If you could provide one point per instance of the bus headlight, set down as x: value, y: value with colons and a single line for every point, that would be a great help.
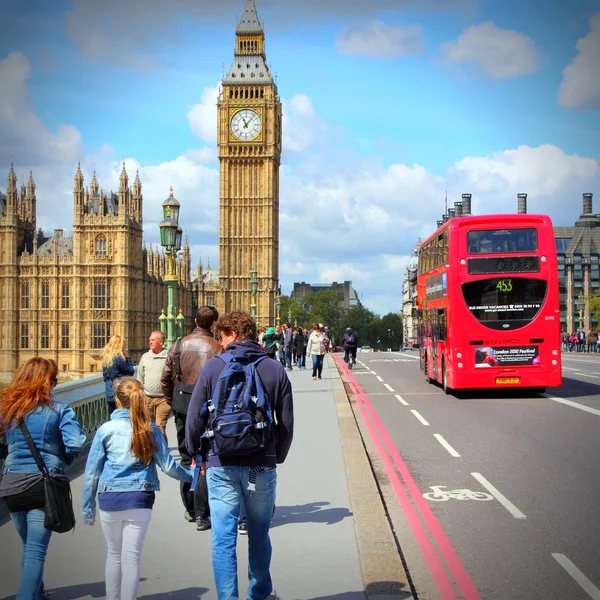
x: 460, y: 365
x: 554, y: 362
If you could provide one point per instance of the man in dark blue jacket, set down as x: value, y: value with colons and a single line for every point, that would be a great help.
x: 252, y: 478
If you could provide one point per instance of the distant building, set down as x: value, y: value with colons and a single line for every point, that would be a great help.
x: 346, y: 294
x: 578, y: 268
x: 409, y: 297
x: 63, y: 295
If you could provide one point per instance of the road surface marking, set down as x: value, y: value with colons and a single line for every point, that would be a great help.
x: 416, y: 413
x: 588, y: 375
x: 440, y: 495
x: 587, y: 586
x: 446, y: 445
x: 378, y: 377
x: 402, y: 399
x: 372, y: 372
x: 571, y: 369
x: 388, y: 386
x: 583, y: 407
x: 508, y: 505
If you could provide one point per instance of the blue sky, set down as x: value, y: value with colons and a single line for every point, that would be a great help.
x: 387, y: 103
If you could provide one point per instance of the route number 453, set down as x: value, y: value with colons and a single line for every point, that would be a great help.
x: 505, y: 285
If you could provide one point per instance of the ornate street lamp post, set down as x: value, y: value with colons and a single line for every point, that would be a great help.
x: 278, y: 309
x: 253, y: 290
x: 290, y: 314
x: 170, y: 240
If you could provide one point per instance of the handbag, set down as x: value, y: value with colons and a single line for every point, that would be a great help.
x: 58, y: 507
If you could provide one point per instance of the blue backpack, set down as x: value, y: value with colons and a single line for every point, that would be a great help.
x: 239, y: 412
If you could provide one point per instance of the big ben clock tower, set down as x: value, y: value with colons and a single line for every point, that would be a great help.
x: 249, y: 141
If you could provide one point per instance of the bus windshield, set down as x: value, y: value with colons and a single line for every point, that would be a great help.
x: 500, y: 241
x: 505, y: 303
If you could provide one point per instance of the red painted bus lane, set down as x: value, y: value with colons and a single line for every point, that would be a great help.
x: 391, y: 458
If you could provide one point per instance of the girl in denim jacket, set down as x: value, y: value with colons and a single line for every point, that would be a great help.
x: 121, y: 467
x: 59, y: 438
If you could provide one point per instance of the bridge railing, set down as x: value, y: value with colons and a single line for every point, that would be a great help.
x: 87, y: 398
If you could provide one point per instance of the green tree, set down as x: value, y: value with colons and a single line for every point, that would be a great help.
x: 323, y: 306
x: 390, y: 331
x: 594, y: 304
x: 297, y: 311
x: 363, y: 323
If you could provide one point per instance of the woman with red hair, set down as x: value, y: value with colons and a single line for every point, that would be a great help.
x: 59, y: 438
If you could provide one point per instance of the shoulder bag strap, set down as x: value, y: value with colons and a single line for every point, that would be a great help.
x: 39, y: 461
x: 176, y: 355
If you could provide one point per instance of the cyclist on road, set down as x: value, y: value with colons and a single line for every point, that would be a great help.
x: 350, y: 345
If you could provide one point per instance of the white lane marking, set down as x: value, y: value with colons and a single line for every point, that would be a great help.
x: 378, y: 377
x: 587, y: 586
x: 588, y: 375
x: 508, y: 505
x: 416, y: 413
x: 372, y: 372
x: 402, y: 399
x: 583, y: 407
x: 446, y: 445
x: 388, y: 386
x: 571, y: 369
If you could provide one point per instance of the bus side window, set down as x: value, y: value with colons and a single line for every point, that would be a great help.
x: 445, y: 248
x: 441, y: 321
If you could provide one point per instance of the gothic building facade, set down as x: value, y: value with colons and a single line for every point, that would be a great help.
x: 63, y: 295
x: 249, y: 146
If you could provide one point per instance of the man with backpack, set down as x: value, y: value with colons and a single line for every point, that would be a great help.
x: 241, y: 424
x: 185, y: 361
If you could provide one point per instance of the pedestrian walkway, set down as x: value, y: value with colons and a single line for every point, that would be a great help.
x: 331, y: 539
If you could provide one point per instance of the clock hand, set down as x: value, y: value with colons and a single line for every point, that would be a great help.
x: 245, y: 123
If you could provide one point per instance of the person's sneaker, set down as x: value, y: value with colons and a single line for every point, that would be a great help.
x: 189, y: 517
x: 243, y: 528
x: 202, y: 524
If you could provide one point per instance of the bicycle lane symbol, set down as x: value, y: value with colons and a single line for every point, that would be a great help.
x: 441, y: 495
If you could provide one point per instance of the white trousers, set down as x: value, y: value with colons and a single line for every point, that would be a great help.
x: 124, y: 531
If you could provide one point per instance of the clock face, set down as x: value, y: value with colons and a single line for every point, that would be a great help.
x: 245, y: 124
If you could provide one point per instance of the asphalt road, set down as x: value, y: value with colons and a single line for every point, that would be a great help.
x: 512, y: 483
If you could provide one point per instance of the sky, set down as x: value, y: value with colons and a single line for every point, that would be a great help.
x: 389, y: 105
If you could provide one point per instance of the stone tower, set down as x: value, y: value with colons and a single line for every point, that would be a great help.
x: 249, y: 145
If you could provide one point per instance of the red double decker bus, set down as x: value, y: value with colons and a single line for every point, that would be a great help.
x: 488, y: 303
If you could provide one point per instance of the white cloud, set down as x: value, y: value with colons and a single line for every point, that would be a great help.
x: 24, y: 135
x: 499, y: 53
x: 580, y: 87
x: 378, y: 40
x: 202, y: 117
x: 301, y: 125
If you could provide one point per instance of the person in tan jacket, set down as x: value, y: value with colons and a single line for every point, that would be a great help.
x: 191, y: 352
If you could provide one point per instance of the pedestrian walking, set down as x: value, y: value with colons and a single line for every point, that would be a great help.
x: 251, y: 476
x: 149, y: 373
x: 115, y: 364
x: 121, y: 467
x: 53, y: 428
x: 316, y: 349
x: 300, y: 348
x: 185, y: 361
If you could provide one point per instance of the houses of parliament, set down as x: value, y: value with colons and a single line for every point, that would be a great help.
x: 63, y: 295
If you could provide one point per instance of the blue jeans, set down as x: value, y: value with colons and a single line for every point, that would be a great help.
x: 226, y: 488
x: 35, y: 539
x: 317, y: 364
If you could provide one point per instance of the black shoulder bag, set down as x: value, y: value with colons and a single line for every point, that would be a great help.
x: 58, y: 506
